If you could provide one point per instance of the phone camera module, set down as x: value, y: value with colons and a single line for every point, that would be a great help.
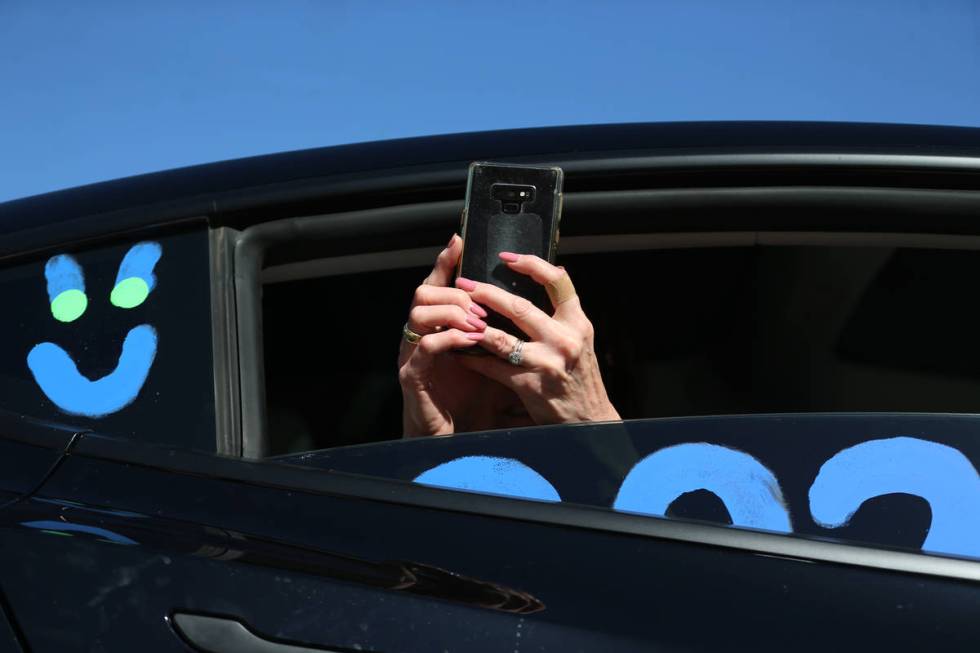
x: 512, y: 196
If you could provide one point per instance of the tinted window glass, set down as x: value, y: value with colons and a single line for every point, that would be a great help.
x: 901, y: 481
x: 115, y: 339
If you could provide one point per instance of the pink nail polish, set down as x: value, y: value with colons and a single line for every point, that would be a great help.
x: 475, y: 336
x: 476, y: 322
x: 466, y: 284
x: 477, y: 310
x: 510, y: 257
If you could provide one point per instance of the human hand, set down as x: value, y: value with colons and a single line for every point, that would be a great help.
x: 558, y: 378
x: 436, y: 389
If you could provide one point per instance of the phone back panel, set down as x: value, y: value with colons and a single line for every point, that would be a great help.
x: 487, y: 229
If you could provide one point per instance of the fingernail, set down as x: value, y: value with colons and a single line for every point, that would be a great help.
x: 465, y: 284
x: 451, y: 240
x: 477, y: 310
x: 476, y: 322
x: 510, y: 257
x: 475, y: 336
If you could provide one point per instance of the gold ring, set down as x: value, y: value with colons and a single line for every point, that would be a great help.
x: 560, y: 291
x: 410, y: 336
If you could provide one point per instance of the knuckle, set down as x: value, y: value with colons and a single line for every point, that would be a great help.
x: 405, y: 375
x: 499, y: 340
x: 421, y: 293
x: 551, y: 273
x: 428, y: 344
x: 569, y: 347
x: 553, y: 372
x: 461, y: 297
x: 415, y: 315
x: 520, y: 306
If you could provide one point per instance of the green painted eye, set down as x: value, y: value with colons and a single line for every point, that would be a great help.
x: 69, y: 305
x: 129, y: 293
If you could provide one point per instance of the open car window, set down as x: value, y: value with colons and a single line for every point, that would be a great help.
x: 710, y: 330
x: 796, y: 332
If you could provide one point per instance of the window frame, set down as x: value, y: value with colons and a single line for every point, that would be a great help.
x: 702, y: 215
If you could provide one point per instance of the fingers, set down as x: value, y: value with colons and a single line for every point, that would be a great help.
x: 533, y: 266
x: 493, y: 368
x: 443, y: 341
x: 436, y: 307
x: 421, y: 356
x: 436, y: 295
x: 528, y: 317
x: 556, y: 281
x: 445, y: 268
x: 501, y: 344
x: 429, y: 319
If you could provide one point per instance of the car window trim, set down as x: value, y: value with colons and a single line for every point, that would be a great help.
x: 224, y: 341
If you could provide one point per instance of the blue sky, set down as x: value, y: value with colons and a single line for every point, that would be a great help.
x: 104, y: 89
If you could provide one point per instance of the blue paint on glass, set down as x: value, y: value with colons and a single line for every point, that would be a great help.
x: 59, y: 378
x: 63, y: 273
x: 490, y: 475
x: 748, y: 489
x: 940, y: 474
x: 67, y: 527
x: 139, y: 263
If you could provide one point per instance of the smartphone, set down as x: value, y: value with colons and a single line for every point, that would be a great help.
x: 510, y: 208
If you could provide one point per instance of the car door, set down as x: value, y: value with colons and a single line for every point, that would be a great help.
x: 171, y: 550
x: 103, y: 335
x: 29, y: 452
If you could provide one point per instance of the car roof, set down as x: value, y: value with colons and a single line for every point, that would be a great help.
x: 237, y: 191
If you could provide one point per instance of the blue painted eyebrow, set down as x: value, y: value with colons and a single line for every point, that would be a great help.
x: 139, y: 262
x: 63, y: 273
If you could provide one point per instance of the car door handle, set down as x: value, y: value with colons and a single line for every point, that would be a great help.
x: 224, y: 635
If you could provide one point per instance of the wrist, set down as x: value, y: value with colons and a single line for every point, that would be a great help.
x: 418, y: 427
x: 606, y: 413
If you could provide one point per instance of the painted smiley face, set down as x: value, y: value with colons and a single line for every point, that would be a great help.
x: 55, y: 370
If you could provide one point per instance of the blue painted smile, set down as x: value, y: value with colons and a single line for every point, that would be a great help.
x: 54, y: 369
x: 58, y: 376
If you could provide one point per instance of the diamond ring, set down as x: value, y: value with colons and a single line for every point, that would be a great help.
x: 515, y: 357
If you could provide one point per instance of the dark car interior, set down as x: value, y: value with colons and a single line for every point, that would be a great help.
x: 679, y: 331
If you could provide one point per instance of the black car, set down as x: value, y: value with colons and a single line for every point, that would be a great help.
x: 201, y: 449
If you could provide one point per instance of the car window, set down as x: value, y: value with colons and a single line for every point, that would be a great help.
x: 710, y: 331
x: 790, y: 331
x: 899, y: 481
x: 115, y: 339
